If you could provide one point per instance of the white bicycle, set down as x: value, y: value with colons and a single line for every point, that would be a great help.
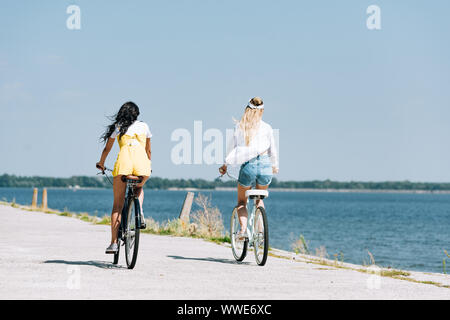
x: 257, y: 228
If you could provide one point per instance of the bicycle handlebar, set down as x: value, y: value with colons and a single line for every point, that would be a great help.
x: 104, y: 169
x: 229, y: 175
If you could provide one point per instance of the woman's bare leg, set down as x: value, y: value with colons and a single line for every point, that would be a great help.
x: 260, y: 203
x: 140, y: 191
x: 242, y: 207
x: 119, y: 188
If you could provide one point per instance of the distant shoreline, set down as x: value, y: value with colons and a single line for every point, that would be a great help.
x: 312, y: 190
x: 333, y: 190
x: 158, y: 183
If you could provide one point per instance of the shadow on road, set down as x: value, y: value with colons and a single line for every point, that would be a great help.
x: 209, y: 259
x: 98, y: 264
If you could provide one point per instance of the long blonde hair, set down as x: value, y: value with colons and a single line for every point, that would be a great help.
x: 251, y: 119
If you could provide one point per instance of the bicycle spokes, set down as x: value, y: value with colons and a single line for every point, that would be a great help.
x: 131, y: 236
x: 261, y: 237
x: 132, y: 233
x: 259, y: 230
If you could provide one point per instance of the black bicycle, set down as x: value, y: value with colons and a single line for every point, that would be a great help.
x: 130, y: 222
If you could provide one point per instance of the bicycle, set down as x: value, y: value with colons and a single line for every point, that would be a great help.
x: 130, y: 222
x: 257, y: 228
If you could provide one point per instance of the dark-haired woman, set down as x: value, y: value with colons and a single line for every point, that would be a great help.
x: 134, y: 158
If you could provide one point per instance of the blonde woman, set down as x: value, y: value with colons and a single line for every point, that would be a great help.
x: 253, y: 147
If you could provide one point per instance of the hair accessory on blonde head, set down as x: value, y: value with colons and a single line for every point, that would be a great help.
x: 252, y: 106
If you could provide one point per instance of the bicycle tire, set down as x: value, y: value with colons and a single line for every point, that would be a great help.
x: 132, y: 234
x: 116, y: 255
x: 261, y: 252
x: 120, y: 233
x: 238, y: 253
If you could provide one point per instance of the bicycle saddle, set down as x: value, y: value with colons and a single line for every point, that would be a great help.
x: 131, y: 177
x: 257, y: 193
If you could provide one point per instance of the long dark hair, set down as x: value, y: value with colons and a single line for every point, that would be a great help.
x: 123, y: 119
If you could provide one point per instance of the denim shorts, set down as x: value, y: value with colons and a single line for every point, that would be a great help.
x: 258, y: 170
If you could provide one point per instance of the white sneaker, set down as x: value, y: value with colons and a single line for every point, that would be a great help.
x: 241, y: 235
x: 112, y: 249
x: 143, y: 224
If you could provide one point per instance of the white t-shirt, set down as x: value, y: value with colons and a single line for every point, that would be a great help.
x: 262, y: 141
x: 137, y: 127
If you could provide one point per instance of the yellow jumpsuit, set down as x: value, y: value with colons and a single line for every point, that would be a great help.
x: 132, y: 157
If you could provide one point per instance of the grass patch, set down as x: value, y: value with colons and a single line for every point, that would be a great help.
x: 65, y: 214
x: 14, y: 204
x: 105, y: 220
x: 394, y: 273
x: 301, y: 246
x: 224, y: 239
x: 86, y: 217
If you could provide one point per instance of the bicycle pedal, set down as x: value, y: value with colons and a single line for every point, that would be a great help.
x: 142, y: 224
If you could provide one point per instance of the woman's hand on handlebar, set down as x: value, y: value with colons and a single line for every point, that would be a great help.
x: 275, y: 170
x: 100, y: 166
x: 223, y: 169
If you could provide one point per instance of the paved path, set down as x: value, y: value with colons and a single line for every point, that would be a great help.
x: 45, y: 256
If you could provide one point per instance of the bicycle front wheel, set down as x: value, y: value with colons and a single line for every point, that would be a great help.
x: 119, y: 234
x: 261, y: 236
x: 132, y: 233
x: 239, y: 247
x: 116, y: 255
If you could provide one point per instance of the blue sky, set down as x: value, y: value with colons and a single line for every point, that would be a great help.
x: 350, y: 103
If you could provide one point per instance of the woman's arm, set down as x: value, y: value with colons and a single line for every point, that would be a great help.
x: 108, y: 146
x: 148, y: 149
x: 273, y: 152
x: 232, y: 144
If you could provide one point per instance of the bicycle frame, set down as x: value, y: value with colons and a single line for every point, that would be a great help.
x: 251, y: 210
x: 129, y: 195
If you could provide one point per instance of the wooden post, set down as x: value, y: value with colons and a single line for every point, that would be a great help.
x: 35, y: 196
x: 187, y: 204
x: 44, y: 199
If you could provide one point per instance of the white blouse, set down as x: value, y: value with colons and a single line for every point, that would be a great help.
x: 261, y: 142
x: 137, y: 127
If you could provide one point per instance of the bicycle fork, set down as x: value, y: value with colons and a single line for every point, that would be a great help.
x: 250, y: 226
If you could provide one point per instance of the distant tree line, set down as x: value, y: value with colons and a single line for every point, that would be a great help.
x: 358, y: 185
x: 162, y: 183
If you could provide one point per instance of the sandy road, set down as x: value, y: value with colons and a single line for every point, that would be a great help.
x: 45, y: 256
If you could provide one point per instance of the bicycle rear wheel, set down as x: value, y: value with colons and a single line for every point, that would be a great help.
x: 261, y: 236
x: 239, y: 247
x: 132, y: 233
